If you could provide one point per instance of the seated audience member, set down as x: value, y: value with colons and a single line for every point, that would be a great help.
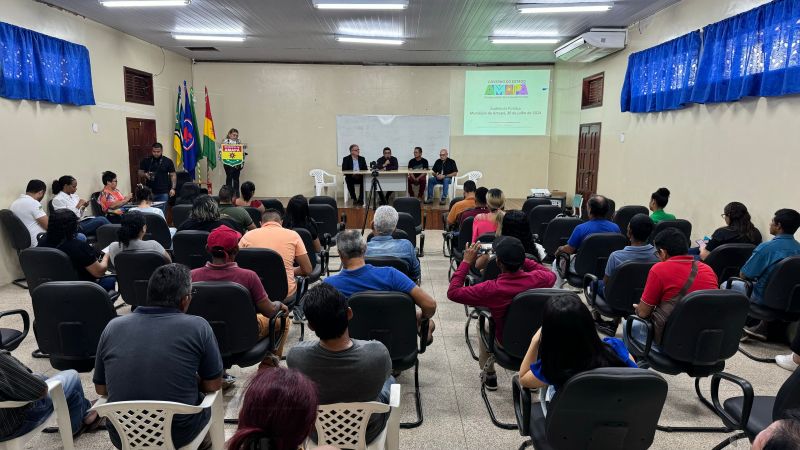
x: 515, y: 224
x: 567, y: 345
x: 444, y: 169
x: 658, y: 201
x: 517, y: 274
x: 344, y: 369
x: 297, y: 216
x: 738, y: 230
x: 248, y: 189
x: 384, y: 223
x: 480, y: 205
x: 782, y: 434
x: 144, y: 204
x: 639, y: 230
x: 764, y: 259
x: 236, y: 213
x: 462, y: 205
x: 287, y: 243
x: 189, y: 192
x: 111, y: 199
x: 62, y: 230
x: 158, y: 352
x: 357, y: 276
x: 28, y: 208
x: 597, y: 223
x: 677, y: 275
x: 490, y: 222
x: 420, y: 179
x: 278, y: 411
x: 18, y: 383
x: 205, y: 216
x: 223, y: 245
x: 387, y: 162
x: 64, y: 197
x: 131, y: 237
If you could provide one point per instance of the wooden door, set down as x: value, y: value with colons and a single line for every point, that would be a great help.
x: 588, y: 160
x: 141, y: 136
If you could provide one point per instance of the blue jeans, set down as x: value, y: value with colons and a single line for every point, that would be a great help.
x: 108, y: 282
x: 161, y: 198
x: 89, y: 226
x: 40, y: 410
x: 432, y: 181
x: 638, y: 334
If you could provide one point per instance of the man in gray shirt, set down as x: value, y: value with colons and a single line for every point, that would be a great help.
x: 160, y: 353
x: 344, y: 369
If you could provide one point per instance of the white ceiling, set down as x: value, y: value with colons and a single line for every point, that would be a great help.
x: 436, y: 31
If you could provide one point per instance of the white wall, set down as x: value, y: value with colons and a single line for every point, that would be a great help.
x: 45, y: 141
x: 707, y: 155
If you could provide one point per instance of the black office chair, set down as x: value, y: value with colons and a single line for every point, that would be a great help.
x: 522, y: 320
x: 447, y: 234
x: 533, y: 202
x: 751, y: 413
x: 106, y: 235
x: 157, y: 230
x: 10, y: 338
x: 413, y: 206
x: 539, y: 217
x: 255, y: 215
x: 189, y: 248
x: 591, y: 258
x: 326, y: 200
x: 134, y: 269
x: 612, y: 208
x: 392, y: 261
x: 94, y: 203
x: 781, y: 298
x: 684, y: 226
x: 69, y: 317
x: 700, y: 334
x: 623, y: 290
x: 624, y: 215
x: 180, y: 214
x: 44, y: 264
x: 406, y: 222
x: 580, y: 415
x: 328, y: 227
x: 727, y: 260
x: 303, y: 283
x: 18, y: 235
x: 464, y: 239
x: 50, y: 208
x: 268, y: 265
x: 391, y: 317
x: 274, y: 203
x: 558, y: 232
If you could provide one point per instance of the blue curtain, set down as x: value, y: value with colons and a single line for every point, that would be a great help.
x: 756, y: 53
x: 661, y: 78
x: 35, y: 66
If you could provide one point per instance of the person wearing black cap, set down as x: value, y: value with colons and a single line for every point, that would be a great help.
x: 517, y: 274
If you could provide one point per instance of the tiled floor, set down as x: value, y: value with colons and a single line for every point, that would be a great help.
x: 455, y: 417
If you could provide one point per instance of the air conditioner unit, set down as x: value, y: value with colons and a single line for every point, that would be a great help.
x: 591, y: 46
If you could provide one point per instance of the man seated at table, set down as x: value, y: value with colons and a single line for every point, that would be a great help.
x: 417, y: 163
x: 355, y: 162
x: 444, y: 169
x: 387, y: 162
x: 237, y: 213
x: 382, y: 243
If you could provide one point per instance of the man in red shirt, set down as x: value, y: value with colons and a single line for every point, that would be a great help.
x: 668, y: 277
x: 517, y: 274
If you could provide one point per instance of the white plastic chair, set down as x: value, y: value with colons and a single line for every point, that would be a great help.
x: 61, y: 411
x: 344, y: 425
x: 320, y: 184
x: 472, y: 176
x: 148, y: 424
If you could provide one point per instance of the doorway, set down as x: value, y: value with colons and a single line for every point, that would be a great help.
x: 141, y: 136
x: 588, y: 160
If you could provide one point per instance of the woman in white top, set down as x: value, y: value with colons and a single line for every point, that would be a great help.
x: 144, y: 204
x: 64, y: 197
x: 130, y: 235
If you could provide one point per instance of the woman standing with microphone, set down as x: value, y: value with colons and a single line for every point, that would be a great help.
x: 233, y: 166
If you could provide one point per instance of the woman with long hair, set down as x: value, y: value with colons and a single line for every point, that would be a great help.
x: 566, y: 345
x: 515, y: 224
x: 131, y: 234
x: 492, y: 221
x: 64, y: 197
x: 658, y: 201
x: 205, y: 216
x: 297, y: 216
x: 738, y: 229
x: 248, y: 190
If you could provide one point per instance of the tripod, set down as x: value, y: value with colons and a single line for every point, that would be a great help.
x: 372, y: 199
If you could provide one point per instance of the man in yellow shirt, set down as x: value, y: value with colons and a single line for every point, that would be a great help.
x: 463, y: 205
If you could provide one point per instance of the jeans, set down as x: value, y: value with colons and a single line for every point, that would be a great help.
x: 383, y: 397
x: 161, y: 198
x: 232, y: 177
x: 108, y: 282
x: 40, y: 410
x: 89, y: 226
x: 445, y: 182
x: 638, y: 334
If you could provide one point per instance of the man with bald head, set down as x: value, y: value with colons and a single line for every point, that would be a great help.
x: 444, y: 169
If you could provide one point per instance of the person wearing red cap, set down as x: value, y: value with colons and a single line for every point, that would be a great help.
x: 223, y: 245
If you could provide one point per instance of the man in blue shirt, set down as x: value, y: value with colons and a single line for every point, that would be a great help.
x: 382, y: 244
x: 598, y: 210
x: 766, y: 256
x: 357, y: 276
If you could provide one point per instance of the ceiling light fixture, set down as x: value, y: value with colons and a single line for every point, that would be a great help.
x: 208, y: 37
x: 143, y: 3
x: 553, y: 8
x: 374, y: 5
x: 370, y: 40
x: 523, y: 40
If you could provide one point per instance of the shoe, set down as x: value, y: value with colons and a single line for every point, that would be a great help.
x: 228, y: 381
x: 298, y: 315
x: 490, y: 381
x: 428, y: 201
x: 786, y: 361
x: 443, y: 201
x: 758, y: 331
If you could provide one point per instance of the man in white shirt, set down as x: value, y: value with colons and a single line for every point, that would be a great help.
x: 65, y: 198
x: 28, y: 208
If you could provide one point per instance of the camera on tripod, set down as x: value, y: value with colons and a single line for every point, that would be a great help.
x: 373, y: 166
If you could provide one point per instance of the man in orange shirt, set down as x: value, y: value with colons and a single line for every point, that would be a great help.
x: 463, y: 205
x: 286, y: 242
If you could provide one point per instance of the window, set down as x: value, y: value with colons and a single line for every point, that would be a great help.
x: 592, y: 96
x: 138, y: 86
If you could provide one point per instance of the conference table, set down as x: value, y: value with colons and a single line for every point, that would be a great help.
x: 391, y: 180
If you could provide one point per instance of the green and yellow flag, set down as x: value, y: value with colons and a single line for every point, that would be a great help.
x: 209, y: 137
x: 176, y: 135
